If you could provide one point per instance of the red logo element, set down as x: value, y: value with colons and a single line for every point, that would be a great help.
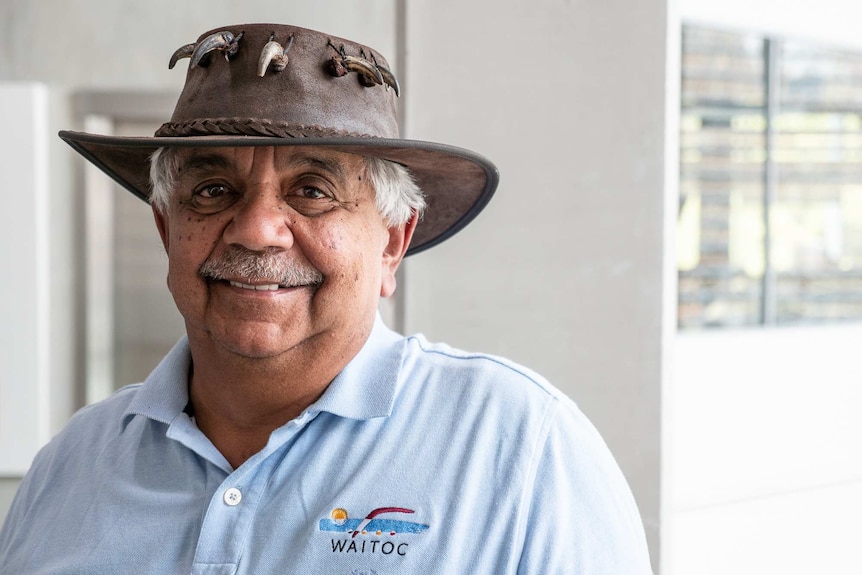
x: 375, y: 513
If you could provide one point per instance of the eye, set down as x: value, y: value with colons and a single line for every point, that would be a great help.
x: 212, y: 191
x: 211, y: 198
x: 312, y: 196
x: 312, y: 193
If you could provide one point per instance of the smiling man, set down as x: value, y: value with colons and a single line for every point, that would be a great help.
x: 290, y: 431
x: 278, y: 257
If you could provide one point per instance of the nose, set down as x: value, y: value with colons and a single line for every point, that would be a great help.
x: 261, y: 222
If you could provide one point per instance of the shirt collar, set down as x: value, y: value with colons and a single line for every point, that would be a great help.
x: 364, y: 389
x: 165, y: 393
x: 367, y: 386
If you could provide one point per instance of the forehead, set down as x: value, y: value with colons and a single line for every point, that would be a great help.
x: 281, y: 158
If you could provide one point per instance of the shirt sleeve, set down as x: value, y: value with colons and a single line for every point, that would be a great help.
x: 12, y: 532
x: 582, y: 518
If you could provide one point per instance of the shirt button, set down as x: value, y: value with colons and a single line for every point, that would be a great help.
x: 232, y: 496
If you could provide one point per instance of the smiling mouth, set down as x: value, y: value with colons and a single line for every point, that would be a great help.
x: 264, y: 287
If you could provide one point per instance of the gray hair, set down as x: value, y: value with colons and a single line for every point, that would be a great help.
x: 397, y: 196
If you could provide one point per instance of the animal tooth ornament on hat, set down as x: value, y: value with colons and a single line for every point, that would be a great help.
x: 273, y: 54
x: 330, y: 92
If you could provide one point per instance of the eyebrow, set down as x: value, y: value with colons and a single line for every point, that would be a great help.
x: 333, y: 167
x: 202, y: 161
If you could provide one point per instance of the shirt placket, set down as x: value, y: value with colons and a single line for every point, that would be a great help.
x: 231, y: 513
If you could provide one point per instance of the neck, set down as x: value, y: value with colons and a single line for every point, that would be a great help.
x: 239, y: 401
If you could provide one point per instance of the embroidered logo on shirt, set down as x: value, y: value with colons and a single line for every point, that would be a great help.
x: 369, y: 529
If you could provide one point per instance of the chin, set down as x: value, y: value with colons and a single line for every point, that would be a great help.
x: 256, y: 345
x: 255, y: 352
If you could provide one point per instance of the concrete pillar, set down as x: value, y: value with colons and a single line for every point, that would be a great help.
x: 568, y: 269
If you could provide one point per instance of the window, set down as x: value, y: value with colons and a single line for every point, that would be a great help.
x: 770, y: 214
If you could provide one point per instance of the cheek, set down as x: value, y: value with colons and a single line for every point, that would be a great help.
x: 333, y: 240
x: 189, y: 229
x: 327, y: 243
x: 189, y: 247
x: 344, y: 254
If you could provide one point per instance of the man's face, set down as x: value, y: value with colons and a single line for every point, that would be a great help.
x: 304, y: 208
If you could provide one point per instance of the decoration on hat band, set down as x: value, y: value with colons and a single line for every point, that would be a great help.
x: 273, y: 55
x: 182, y: 52
x: 369, y: 72
x: 388, y: 76
x: 224, y: 42
x: 341, y: 64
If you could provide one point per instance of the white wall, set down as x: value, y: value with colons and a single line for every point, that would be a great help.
x: 565, y: 271
x: 122, y: 44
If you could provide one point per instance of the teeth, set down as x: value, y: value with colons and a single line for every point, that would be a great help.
x: 266, y: 287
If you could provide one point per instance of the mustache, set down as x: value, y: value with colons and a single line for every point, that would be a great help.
x: 237, y: 262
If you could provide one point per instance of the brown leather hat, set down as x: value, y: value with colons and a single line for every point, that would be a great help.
x: 277, y: 85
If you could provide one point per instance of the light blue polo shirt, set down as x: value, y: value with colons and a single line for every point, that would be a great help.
x: 418, y: 458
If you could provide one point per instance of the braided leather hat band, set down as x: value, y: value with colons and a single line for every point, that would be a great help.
x: 249, y: 127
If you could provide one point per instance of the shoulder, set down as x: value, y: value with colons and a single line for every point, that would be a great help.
x: 96, y: 415
x: 579, y: 508
x: 68, y: 457
x: 87, y: 432
x: 512, y: 396
x: 475, y: 369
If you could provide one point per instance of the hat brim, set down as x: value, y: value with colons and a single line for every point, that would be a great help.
x: 457, y: 183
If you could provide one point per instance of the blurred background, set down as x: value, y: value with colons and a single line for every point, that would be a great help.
x: 676, y: 242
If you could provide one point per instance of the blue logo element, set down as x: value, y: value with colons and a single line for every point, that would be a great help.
x: 339, y: 522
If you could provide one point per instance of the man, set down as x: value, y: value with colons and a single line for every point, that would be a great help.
x: 290, y: 431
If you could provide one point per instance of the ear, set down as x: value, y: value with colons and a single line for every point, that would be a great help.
x: 162, y: 225
x: 399, y: 241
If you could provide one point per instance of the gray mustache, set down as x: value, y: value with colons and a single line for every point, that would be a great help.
x: 269, y: 267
